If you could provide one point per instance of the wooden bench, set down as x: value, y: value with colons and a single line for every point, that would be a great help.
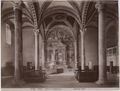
x: 34, y: 76
x: 86, y: 75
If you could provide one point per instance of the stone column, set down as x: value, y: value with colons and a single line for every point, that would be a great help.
x: 18, y: 42
x: 70, y: 57
x: 36, y: 33
x: 76, y: 45
x: 101, y: 45
x: 44, y: 54
x: 111, y: 67
x: 75, y: 50
x: 66, y: 55
x: 53, y: 55
x: 82, y: 57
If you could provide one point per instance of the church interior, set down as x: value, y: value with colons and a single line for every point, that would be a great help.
x: 64, y: 43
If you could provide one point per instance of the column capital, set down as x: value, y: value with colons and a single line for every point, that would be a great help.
x: 100, y: 6
x: 83, y: 30
x: 18, y: 5
x: 36, y: 31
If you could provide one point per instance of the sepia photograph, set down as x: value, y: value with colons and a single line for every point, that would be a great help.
x: 59, y: 44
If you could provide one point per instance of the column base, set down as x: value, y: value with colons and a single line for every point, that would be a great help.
x: 101, y: 82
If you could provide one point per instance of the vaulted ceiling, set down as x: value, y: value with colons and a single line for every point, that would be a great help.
x: 46, y: 14
x: 80, y: 11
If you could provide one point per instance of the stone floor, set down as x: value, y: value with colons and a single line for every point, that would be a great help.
x: 62, y: 80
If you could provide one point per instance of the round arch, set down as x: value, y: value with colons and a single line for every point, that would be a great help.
x: 61, y: 9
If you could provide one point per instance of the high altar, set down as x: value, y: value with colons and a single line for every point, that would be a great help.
x: 60, y: 49
x: 56, y: 55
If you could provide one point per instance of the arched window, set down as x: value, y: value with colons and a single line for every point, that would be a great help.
x: 8, y: 34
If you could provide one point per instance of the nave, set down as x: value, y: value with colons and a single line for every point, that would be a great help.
x: 65, y: 80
